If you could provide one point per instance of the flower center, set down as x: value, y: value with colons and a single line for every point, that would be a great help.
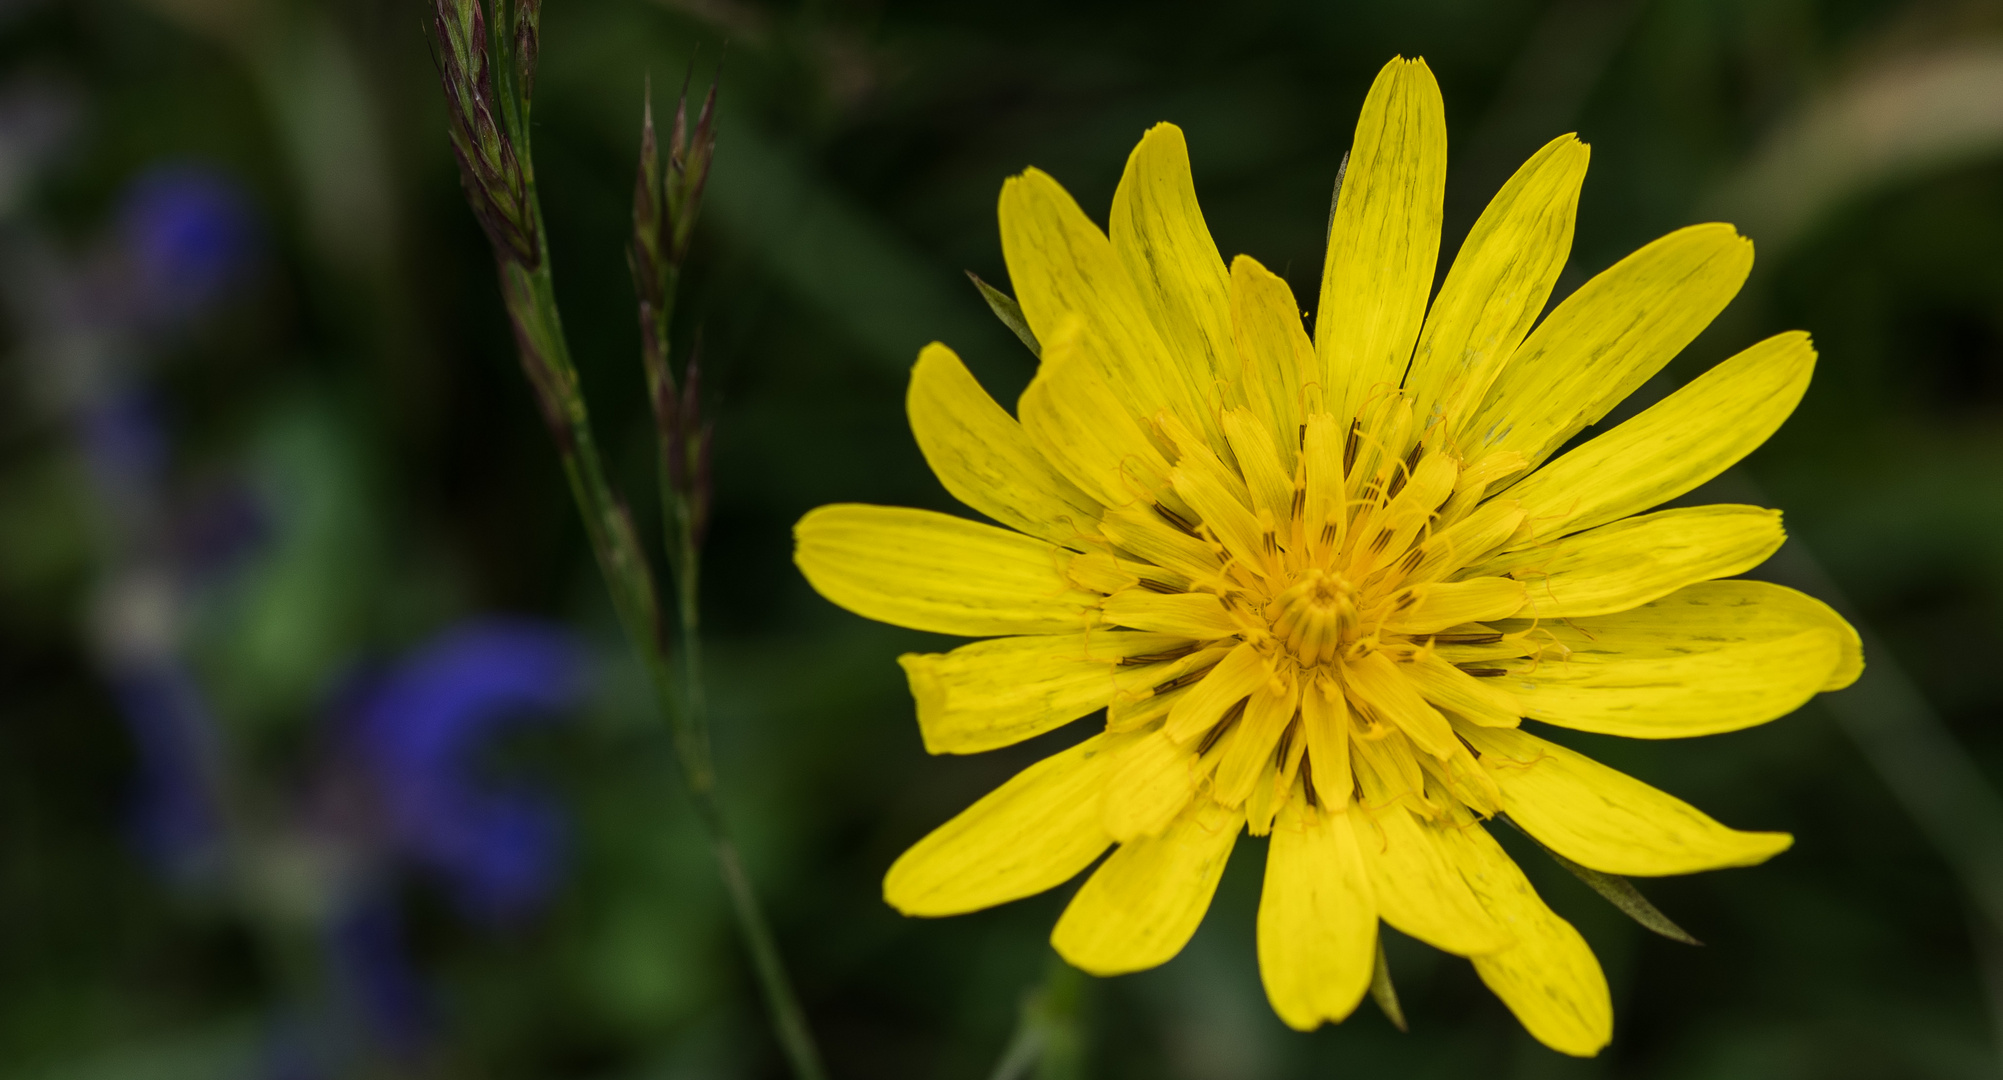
x: 1315, y: 616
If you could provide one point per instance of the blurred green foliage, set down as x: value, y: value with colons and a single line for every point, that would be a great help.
x: 364, y: 385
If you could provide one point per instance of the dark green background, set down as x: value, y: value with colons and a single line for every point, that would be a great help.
x: 366, y: 380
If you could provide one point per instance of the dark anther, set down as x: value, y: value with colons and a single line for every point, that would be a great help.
x: 1349, y: 445
x: 1411, y: 562
x: 1162, y: 657
x: 1182, y: 680
x: 1217, y: 730
x: 1382, y: 539
x: 1465, y: 639
x: 1152, y: 585
x: 1176, y: 520
x: 1484, y: 672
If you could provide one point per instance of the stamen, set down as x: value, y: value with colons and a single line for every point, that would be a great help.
x: 1349, y: 445
x: 1152, y: 585
x: 1483, y: 672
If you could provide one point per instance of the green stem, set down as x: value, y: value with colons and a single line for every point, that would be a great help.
x: 789, y: 1020
x: 628, y: 576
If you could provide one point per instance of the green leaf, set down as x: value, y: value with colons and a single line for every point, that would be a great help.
x: 1618, y: 891
x: 1383, y: 993
x: 1008, y: 311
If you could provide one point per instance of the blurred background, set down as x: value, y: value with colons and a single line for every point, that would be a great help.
x: 320, y: 752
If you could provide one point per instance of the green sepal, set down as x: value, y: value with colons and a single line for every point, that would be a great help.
x: 1383, y: 993
x: 1008, y: 311
x: 1618, y: 891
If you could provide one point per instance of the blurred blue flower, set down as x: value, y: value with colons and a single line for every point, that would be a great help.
x: 187, y: 234
x: 174, y: 816
x: 366, y: 941
x: 419, y: 729
x: 124, y: 439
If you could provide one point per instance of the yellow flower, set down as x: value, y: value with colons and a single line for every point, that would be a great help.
x: 1316, y: 584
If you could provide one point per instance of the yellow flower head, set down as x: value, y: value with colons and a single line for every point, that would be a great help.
x: 1316, y: 583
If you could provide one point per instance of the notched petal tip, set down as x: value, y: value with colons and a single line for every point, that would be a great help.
x: 929, y: 694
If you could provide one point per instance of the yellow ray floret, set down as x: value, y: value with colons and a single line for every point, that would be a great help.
x: 1317, y: 584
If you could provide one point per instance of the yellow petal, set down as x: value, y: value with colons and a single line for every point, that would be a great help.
x: 1498, y: 284
x: 1475, y: 537
x: 1158, y: 233
x: 1605, y: 819
x: 931, y: 571
x: 1689, y: 437
x: 1148, y: 786
x: 1082, y: 427
x: 1269, y: 481
x: 1609, y: 337
x: 983, y: 456
x: 1275, y: 357
x: 1380, y: 689
x: 1230, y: 682
x: 1002, y: 691
x: 1196, y: 615
x: 1317, y: 918
x: 1478, y: 701
x: 1549, y: 978
x: 1418, y: 886
x: 1223, y: 515
x: 1325, y: 721
x: 1065, y: 271
x: 1141, y: 906
x: 1429, y: 609
x: 1384, y: 239
x: 1628, y: 563
x: 1033, y: 833
x: 1695, y: 619
x: 1248, y: 750
x: 1680, y: 696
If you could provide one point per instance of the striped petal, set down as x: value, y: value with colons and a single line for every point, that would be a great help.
x: 1549, y: 977
x: 1317, y: 917
x: 1689, y: 437
x: 1275, y: 359
x: 999, y: 692
x: 1679, y: 696
x: 1066, y: 272
x: 1033, y: 833
x: 1419, y: 888
x: 1696, y: 619
x: 982, y: 455
x: 1628, y: 563
x: 931, y: 571
x: 1384, y: 239
x: 1498, y: 284
x: 1608, y: 338
x: 1606, y: 819
x: 1142, y: 905
x: 1158, y: 233
x: 1080, y: 425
